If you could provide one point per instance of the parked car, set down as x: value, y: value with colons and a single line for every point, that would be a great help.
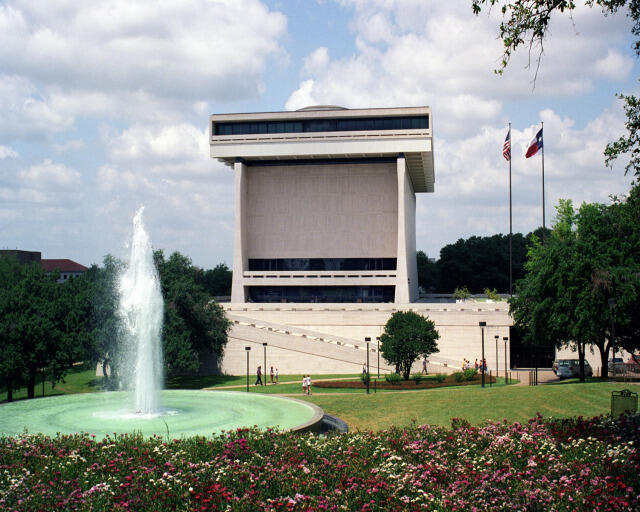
x: 568, y: 368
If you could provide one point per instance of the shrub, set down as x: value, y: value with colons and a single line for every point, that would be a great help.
x: 393, y: 378
x: 417, y: 378
x: 469, y: 374
x: 461, y: 293
x: 458, y: 376
x: 493, y: 295
x: 440, y: 378
x: 365, y: 377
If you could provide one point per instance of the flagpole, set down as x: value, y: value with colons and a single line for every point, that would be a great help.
x: 510, y: 226
x: 544, y: 235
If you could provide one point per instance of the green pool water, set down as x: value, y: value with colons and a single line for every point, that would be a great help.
x: 184, y: 413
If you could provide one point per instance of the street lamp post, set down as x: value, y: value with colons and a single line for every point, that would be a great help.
x: 506, y: 338
x: 496, y: 337
x: 378, y: 339
x: 482, y: 326
x: 264, y: 371
x: 612, y: 306
x: 247, y: 349
x: 368, y: 377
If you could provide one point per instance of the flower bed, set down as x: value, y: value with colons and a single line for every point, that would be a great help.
x: 575, y: 464
x: 402, y: 384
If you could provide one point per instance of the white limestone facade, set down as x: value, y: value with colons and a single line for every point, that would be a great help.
x: 331, y: 338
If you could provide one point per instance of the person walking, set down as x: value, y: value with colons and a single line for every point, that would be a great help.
x: 308, y: 384
x: 276, y: 375
x: 304, y: 384
x: 424, y: 366
x: 271, y: 374
x: 259, y: 376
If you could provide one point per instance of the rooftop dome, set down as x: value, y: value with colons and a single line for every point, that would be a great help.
x: 321, y: 107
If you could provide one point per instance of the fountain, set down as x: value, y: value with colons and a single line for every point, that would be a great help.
x: 144, y: 408
x: 141, y: 310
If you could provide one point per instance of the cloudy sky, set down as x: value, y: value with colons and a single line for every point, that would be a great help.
x: 104, y: 107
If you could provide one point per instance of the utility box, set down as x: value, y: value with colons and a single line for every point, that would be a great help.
x: 623, y: 402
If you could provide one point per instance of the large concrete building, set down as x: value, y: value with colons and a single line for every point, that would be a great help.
x: 325, y: 202
x: 325, y: 213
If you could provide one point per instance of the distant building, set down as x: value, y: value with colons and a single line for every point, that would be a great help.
x: 67, y: 268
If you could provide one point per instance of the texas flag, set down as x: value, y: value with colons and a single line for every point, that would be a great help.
x: 534, y: 145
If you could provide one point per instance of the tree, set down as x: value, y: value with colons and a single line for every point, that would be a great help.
x: 480, y: 262
x: 590, y: 256
x: 406, y: 337
x: 195, y: 326
x: 216, y: 281
x: 427, y: 272
x: 546, y: 302
x: 526, y: 22
x: 40, y: 328
x: 11, y: 361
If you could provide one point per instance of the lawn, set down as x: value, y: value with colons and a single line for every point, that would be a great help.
x: 474, y: 404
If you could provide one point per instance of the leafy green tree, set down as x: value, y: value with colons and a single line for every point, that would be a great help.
x: 589, y: 258
x: 480, y: 262
x: 406, y: 337
x: 195, y: 326
x: 526, y: 23
x: 461, y: 293
x: 37, y: 315
x: 11, y: 360
x: 216, y: 281
x: 546, y: 302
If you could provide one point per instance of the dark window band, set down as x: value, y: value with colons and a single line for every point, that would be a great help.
x: 322, y: 293
x: 316, y: 264
x: 322, y: 125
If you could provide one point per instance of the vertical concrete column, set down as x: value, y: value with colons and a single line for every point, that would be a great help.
x: 240, y: 262
x: 407, y: 267
x: 402, y: 285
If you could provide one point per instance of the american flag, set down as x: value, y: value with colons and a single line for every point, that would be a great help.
x: 506, y: 147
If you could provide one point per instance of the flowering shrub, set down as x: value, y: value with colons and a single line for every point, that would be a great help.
x: 574, y: 464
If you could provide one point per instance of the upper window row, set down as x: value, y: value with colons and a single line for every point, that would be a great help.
x: 323, y: 125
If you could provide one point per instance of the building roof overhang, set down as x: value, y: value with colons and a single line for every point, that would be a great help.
x: 414, y: 144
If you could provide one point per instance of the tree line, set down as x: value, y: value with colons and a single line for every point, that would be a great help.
x: 477, y: 263
x: 47, y: 327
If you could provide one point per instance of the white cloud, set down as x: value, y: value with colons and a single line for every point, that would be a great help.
x: 7, y: 152
x: 129, y: 59
x: 48, y: 175
x: 185, y: 49
x: 166, y: 151
x: 439, y: 54
x: 25, y: 111
x: 614, y: 66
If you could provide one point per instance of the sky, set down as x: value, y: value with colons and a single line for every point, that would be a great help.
x: 104, y: 107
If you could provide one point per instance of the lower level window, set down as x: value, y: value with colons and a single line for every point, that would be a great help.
x: 322, y: 293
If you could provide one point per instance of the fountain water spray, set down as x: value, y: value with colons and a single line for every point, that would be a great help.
x: 141, y: 309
